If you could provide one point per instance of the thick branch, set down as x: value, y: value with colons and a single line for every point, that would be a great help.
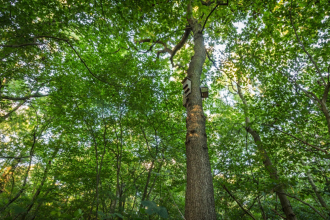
x: 166, y: 49
x: 22, y: 98
x: 209, y: 16
x: 9, y: 113
x: 208, y: 3
x: 246, y: 108
x: 14, y: 157
x: 21, y: 45
x: 181, y: 43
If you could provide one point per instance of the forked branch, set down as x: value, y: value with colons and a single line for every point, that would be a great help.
x: 168, y: 50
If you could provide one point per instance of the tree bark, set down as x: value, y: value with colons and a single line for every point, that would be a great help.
x: 199, y: 193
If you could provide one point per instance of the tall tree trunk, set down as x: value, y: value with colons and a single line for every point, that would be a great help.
x: 199, y: 193
x: 286, y: 206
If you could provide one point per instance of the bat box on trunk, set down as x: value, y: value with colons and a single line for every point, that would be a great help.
x: 204, y: 92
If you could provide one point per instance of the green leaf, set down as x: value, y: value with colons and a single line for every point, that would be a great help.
x: 18, y: 210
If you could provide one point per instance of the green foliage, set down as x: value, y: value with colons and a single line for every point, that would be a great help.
x: 152, y: 207
x: 92, y: 123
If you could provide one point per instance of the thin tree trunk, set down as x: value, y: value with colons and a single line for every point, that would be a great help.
x: 287, y: 208
x: 145, y: 191
x: 316, y: 191
x: 154, y: 182
x: 39, y: 205
x: 119, y: 157
x: 25, y: 178
x: 29, y: 207
x: 262, y: 210
x: 199, y: 194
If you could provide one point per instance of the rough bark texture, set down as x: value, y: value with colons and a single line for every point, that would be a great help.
x: 286, y: 206
x: 199, y: 193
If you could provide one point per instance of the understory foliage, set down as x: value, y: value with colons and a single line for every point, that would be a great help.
x: 91, y: 118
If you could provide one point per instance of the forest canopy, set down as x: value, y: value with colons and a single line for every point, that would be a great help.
x: 104, y: 114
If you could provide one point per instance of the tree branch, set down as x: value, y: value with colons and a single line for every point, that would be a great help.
x: 26, y: 176
x: 303, y: 47
x: 181, y: 43
x: 208, y: 3
x: 68, y: 42
x: 167, y: 50
x: 304, y: 203
x: 278, y: 213
x: 14, y: 157
x: 240, y: 205
x: 9, y: 113
x: 22, y: 98
x: 304, y: 142
x: 21, y: 45
x: 209, y: 16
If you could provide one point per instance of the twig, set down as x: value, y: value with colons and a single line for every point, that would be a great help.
x: 278, y: 213
x: 304, y: 142
x: 239, y: 204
